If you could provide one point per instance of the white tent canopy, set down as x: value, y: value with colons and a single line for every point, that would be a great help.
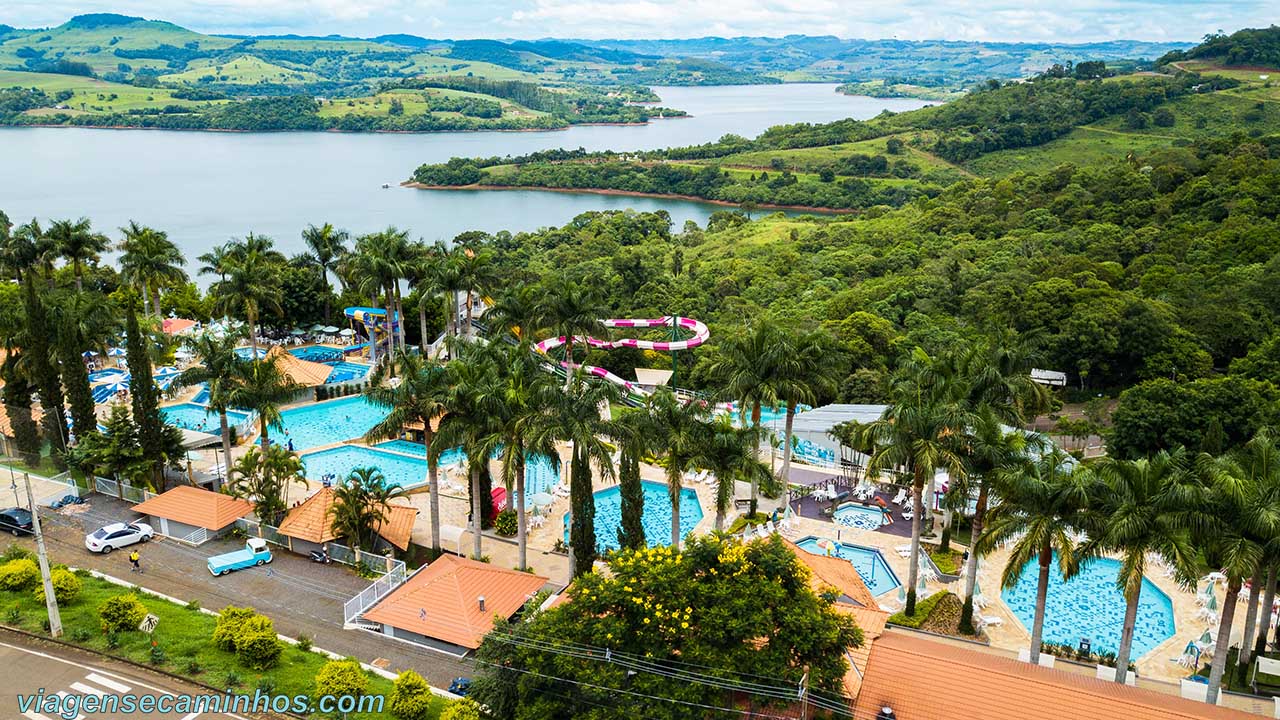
x: 815, y: 425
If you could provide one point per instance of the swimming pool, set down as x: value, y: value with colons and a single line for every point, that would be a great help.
x: 656, y: 520
x: 540, y: 474
x: 329, y: 422
x: 346, y: 372
x: 200, y: 418
x: 107, y: 375
x: 870, y: 564
x: 859, y: 516
x: 1091, y: 606
x: 202, y: 397
x: 317, y: 353
x: 398, y: 470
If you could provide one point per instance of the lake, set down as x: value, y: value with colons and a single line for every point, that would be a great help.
x: 206, y: 187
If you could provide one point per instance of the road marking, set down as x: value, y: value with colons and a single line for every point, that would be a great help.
x: 94, y: 677
x: 41, y: 716
x: 86, y: 689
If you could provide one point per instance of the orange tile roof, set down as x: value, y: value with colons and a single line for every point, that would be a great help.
x: 312, y: 521
x: 835, y: 572
x: 924, y: 679
x: 173, y: 326
x: 303, y: 372
x: 441, y: 600
x: 872, y: 623
x: 196, y: 506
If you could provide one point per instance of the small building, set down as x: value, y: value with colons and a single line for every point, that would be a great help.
x: 309, y: 526
x: 302, y: 372
x: 450, y: 604
x: 181, y: 513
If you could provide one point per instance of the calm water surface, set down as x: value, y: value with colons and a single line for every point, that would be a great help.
x: 204, y: 187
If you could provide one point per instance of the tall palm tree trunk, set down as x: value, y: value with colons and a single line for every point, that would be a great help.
x: 971, y: 568
x: 262, y: 425
x: 253, y: 334
x: 1042, y: 593
x: 226, y: 447
x: 400, y: 317
x: 568, y: 362
x: 913, y: 574
x: 673, y: 491
x: 79, y: 277
x: 1222, y: 642
x: 422, y: 325
x: 1250, y: 617
x: 521, y: 532
x: 1264, y: 612
x: 1126, y: 633
x: 755, y: 480
x: 477, y: 516
x: 372, y: 329
x: 433, y: 472
x: 155, y: 290
x: 470, y: 329
x: 786, y: 447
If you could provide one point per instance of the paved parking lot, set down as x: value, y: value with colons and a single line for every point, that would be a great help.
x: 303, y: 598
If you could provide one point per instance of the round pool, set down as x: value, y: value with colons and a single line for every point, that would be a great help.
x: 859, y: 516
x: 1091, y: 606
x: 656, y: 519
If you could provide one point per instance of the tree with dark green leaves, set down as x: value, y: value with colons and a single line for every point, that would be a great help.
x: 143, y: 394
x: 218, y: 369
x: 116, y: 451
x: 83, y: 320
x: 262, y: 386
x: 78, y: 244
x: 149, y: 260
x: 39, y: 352
x: 636, y: 437
x: 264, y: 478
x: 683, y: 435
x: 361, y: 504
x: 325, y: 246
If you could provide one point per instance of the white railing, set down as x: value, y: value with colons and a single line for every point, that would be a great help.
x: 352, y: 608
x: 131, y: 493
x: 197, y: 537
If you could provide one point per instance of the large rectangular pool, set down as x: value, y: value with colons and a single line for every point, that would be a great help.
x: 200, y: 418
x: 329, y: 422
x: 540, y: 473
x: 406, y: 472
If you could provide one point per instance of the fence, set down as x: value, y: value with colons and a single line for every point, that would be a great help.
x: 199, y: 536
x: 128, y: 492
x: 352, y: 608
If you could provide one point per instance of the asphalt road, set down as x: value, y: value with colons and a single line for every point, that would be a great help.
x: 303, y: 598
x: 31, y: 665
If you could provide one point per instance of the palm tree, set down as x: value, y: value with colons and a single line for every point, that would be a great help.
x: 423, y: 273
x: 636, y: 436
x: 449, y: 280
x: 807, y: 371
x: 216, y: 260
x: 361, y: 505
x: 325, y: 244
x: 78, y: 244
x: 683, y: 431
x: 919, y: 432
x: 419, y: 397
x: 1135, y: 513
x: 263, y: 478
x: 747, y: 370
x: 260, y: 385
x: 578, y: 422
x: 1235, y: 515
x: 729, y: 452
x: 149, y: 260
x: 570, y: 310
x: 81, y: 321
x: 252, y: 283
x: 218, y: 369
x: 1040, y: 503
x: 475, y: 272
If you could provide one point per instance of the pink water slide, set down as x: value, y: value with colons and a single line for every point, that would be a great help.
x: 700, y: 335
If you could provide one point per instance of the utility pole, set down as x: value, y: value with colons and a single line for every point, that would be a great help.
x: 804, y: 695
x: 51, y: 602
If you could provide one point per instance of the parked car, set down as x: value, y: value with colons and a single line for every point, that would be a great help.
x: 460, y: 686
x: 254, y: 552
x: 16, y: 520
x: 117, y: 535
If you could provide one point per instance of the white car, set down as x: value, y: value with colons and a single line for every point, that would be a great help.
x: 117, y: 535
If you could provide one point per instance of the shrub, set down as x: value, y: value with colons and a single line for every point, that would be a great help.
x: 193, y: 605
x: 157, y: 655
x: 266, y: 685
x: 19, y: 574
x: 231, y: 679
x: 16, y: 552
x: 81, y: 635
x: 923, y: 609
x: 230, y: 619
x: 304, y: 643
x: 121, y: 613
x: 505, y: 523
x: 411, y: 698
x: 192, y: 667
x: 256, y: 643
x: 66, y: 586
x: 464, y: 709
x: 341, y: 677
x: 113, y: 640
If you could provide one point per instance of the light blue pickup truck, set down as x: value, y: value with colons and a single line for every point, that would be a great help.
x: 254, y: 552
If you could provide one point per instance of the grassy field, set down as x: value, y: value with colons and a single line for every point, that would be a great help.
x: 414, y: 102
x: 183, y: 636
x: 811, y: 159
x: 94, y: 96
x: 244, y: 70
x: 96, y: 46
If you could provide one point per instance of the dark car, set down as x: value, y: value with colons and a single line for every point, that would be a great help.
x: 460, y: 686
x: 17, y: 521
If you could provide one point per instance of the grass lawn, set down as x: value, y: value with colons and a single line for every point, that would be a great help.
x: 94, y: 96
x: 183, y: 635
x: 244, y: 70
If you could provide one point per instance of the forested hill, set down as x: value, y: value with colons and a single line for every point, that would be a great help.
x: 1245, y: 48
x: 893, y: 159
x: 1159, y: 271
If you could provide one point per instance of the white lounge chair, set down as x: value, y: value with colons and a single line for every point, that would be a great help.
x: 902, y: 495
x: 990, y: 621
x: 908, y: 514
x: 768, y: 525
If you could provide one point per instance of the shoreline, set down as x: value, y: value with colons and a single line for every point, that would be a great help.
x: 632, y: 193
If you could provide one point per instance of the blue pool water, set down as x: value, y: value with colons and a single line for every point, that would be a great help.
x: 346, y: 372
x: 202, y: 397
x: 329, y: 422
x: 656, y: 520
x: 540, y: 474
x: 870, y: 564
x: 1091, y: 606
x: 859, y: 516
x: 317, y: 353
x: 200, y: 418
x: 398, y: 470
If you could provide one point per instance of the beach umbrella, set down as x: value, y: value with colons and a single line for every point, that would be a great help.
x: 330, y: 329
x: 115, y: 352
x: 541, y: 499
x: 1211, y: 604
x: 826, y: 545
x: 167, y: 371
x: 347, y: 332
x: 89, y: 353
x: 297, y: 331
x: 116, y: 387
x: 1207, y: 637
x: 317, y: 327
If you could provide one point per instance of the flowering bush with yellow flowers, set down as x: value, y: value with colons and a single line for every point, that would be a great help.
x: 727, y: 607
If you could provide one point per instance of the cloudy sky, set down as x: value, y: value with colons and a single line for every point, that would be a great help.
x: 1019, y: 20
